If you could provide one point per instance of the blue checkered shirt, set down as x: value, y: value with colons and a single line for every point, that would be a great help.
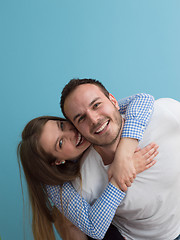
x: 138, y: 110
x: 94, y: 220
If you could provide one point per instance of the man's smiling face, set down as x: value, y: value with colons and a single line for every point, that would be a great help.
x: 93, y: 114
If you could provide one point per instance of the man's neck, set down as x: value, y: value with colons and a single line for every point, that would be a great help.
x: 107, y: 152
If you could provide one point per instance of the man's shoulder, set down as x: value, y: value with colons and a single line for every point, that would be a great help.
x: 168, y: 102
x: 168, y: 106
x: 164, y: 121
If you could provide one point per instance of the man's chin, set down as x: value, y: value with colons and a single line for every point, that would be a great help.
x: 104, y: 141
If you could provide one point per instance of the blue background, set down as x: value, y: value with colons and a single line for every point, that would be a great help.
x: 131, y: 46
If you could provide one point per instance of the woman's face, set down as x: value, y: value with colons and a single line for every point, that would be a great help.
x: 62, y: 140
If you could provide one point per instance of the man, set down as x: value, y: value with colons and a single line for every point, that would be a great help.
x: 95, y: 219
x: 123, y: 171
x: 151, y: 209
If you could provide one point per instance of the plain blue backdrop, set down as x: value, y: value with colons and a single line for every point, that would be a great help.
x: 131, y: 46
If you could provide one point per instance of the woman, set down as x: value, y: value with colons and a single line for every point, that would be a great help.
x: 41, y: 165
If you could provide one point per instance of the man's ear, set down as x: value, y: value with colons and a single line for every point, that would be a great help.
x: 113, y: 100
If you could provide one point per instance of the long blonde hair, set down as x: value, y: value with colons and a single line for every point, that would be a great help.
x: 38, y: 171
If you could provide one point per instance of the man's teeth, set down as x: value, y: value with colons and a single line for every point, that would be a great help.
x: 102, y: 127
x: 78, y: 139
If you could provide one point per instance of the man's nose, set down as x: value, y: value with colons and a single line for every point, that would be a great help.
x: 92, y: 117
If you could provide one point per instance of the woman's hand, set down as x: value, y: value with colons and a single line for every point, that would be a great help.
x: 122, y: 169
x: 141, y: 160
x: 144, y: 158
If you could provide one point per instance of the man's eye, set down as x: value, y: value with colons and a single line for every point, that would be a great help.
x: 96, y: 105
x: 60, y: 143
x: 81, y: 119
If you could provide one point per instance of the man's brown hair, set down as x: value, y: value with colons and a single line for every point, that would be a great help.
x: 73, y: 84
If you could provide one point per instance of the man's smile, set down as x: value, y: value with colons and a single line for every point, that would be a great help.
x: 102, y: 128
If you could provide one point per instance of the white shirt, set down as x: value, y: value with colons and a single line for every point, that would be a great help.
x: 151, y: 208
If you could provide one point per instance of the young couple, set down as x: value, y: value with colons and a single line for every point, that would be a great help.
x: 51, y: 153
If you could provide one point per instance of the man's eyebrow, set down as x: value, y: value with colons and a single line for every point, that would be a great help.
x: 91, y: 103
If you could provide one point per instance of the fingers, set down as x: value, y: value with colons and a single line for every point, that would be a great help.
x: 128, y: 183
x: 148, y: 148
x: 150, y: 164
x: 151, y: 153
x: 134, y: 175
x: 152, y: 156
x: 150, y: 161
x: 123, y: 187
x: 131, y: 180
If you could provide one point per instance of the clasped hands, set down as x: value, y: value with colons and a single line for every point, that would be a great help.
x: 128, y: 162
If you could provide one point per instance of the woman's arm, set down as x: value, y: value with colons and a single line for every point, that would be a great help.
x: 137, y: 111
x: 92, y: 220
